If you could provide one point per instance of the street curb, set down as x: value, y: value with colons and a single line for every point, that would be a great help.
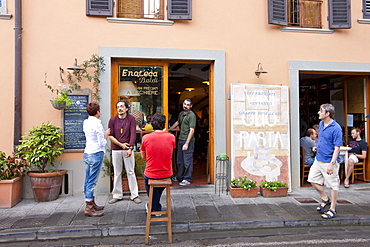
x: 55, y: 233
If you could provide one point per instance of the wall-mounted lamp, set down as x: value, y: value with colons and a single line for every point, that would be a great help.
x: 75, y: 68
x: 127, y: 88
x: 259, y: 70
x: 189, y: 89
x: 206, y: 82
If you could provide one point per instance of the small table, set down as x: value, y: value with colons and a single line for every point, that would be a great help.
x: 344, y: 152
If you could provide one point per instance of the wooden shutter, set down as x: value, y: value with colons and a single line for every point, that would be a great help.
x: 339, y: 14
x: 277, y: 12
x: 366, y: 9
x: 99, y: 7
x: 179, y: 9
x: 310, y: 13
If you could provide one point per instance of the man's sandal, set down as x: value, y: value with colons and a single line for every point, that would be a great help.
x: 323, y: 205
x: 328, y: 215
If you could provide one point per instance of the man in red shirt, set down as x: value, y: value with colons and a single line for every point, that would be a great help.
x: 157, y: 149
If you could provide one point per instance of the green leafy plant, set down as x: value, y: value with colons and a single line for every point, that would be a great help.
x: 243, y: 182
x: 272, y: 185
x: 91, y: 70
x: 107, y: 167
x: 61, y: 91
x: 12, y: 166
x: 41, y: 145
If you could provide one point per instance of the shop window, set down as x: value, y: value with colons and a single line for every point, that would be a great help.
x: 307, y: 13
x: 142, y: 86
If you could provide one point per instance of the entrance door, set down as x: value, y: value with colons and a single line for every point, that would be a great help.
x: 192, y: 80
x: 161, y: 86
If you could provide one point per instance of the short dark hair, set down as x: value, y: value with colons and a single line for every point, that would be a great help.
x: 356, y: 129
x: 329, y: 108
x: 127, y: 105
x: 309, y: 132
x: 188, y: 99
x: 158, y: 121
x: 92, y: 109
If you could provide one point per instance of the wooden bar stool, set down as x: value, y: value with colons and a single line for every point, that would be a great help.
x: 159, y: 183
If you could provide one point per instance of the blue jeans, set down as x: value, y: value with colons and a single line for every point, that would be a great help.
x: 310, y: 161
x: 157, y: 193
x: 93, y: 164
x: 184, y: 161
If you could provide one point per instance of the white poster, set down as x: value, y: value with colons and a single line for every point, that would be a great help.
x: 260, y: 132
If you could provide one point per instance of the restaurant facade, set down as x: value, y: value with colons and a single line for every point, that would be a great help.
x: 257, y: 74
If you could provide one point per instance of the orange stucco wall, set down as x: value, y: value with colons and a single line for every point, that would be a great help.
x: 54, y: 33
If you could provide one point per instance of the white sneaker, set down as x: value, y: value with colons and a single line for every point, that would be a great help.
x: 184, y: 182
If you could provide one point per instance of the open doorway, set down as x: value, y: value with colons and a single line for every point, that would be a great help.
x: 348, y: 95
x: 191, y: 80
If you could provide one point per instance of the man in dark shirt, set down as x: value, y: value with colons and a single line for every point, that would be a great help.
x: 123, y: 136
x: 185, y: 146
x: 358, y: 151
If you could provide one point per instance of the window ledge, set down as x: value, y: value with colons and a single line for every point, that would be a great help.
x: 363, y: 21
x: 305, y: 30
x: 5, y: 16
x: 140, y: 21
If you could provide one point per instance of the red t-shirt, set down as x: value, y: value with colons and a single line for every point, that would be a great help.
x: 158, y: 147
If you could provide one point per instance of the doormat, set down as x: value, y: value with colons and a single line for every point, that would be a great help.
x: 306, y: 200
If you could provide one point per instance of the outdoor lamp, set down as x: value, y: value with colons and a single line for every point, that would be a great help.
x: 75, y: 68
x: 259, y: 70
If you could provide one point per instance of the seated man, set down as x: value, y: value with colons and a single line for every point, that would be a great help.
x: 309, y: 144
x: 358, y: 151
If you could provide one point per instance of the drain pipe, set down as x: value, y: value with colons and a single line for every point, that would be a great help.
x: 18, y: 72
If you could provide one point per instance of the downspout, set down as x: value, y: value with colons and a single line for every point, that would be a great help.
x: 18, y: 72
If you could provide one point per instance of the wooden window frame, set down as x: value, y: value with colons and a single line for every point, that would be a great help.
x: 137, y: 9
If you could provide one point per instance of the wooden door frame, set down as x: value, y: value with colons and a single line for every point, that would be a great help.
x: 116, y: 62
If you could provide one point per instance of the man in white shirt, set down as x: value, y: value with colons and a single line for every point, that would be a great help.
x: 96, y: 139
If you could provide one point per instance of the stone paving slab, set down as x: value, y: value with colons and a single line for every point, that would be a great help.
x: 194, y: 209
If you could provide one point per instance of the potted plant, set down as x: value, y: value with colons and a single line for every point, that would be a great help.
x: 243, y: 187
x: 273, y: 188
x: 62, y: 100
x: 139, y: 171
x: 39, y: 147
x: 12, y: 170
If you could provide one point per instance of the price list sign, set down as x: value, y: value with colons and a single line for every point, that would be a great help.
x: 74, y: 116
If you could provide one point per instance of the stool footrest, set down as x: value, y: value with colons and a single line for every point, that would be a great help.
x: 159, y: 219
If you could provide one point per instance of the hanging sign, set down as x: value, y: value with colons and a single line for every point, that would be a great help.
x: 260, y: 132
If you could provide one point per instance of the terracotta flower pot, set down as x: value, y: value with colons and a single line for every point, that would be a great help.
x: 280, y: 192
x: 46, y: 186
x: 10, y: 192
x: 240, y: 192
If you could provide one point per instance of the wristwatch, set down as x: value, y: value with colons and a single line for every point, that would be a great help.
x: 333, y: 162
x: 132, y: 148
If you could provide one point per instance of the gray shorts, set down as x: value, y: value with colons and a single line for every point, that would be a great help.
x: 318, y: 175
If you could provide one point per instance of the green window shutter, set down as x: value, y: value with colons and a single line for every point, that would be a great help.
x: 277, y: 12
x: 339, y: 14
x: 99, y: 7
x: 366, y: 9
x: 179, y: 9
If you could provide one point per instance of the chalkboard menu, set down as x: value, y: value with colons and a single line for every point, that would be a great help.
x: 73, y: 118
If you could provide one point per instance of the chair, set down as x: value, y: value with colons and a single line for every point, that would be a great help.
x: 159, y: 183
x: 305, y: 169
x: 358, y: 169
